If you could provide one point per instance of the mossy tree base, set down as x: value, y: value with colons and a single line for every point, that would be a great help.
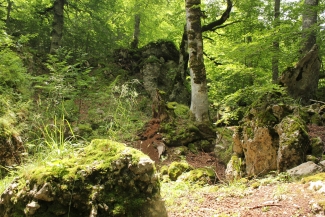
x: 181, y: 130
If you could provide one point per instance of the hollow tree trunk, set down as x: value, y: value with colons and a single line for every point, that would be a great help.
x: 302, y: 80
x: 57, y: 25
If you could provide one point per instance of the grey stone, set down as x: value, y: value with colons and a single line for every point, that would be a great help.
x: 303, y: 169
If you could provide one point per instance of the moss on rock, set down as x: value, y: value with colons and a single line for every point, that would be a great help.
x: 201, y: 176
x: 314, y: 178
x: 317, y: 147
x: 177, y: 168
x: 105, y: 177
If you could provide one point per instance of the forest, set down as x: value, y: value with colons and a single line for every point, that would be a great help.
x: 160, y: 108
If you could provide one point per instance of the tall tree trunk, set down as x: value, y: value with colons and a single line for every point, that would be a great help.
x: 57, y: 25
x: 199, y: 100
x: 276, y: 47
x: 136, y: 33
x: 309, y: 19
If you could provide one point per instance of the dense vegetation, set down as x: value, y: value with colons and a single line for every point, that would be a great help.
x: 52, y: 99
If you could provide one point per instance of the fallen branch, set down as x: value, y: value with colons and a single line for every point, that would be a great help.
x: 317, y: 101
x: 261, y: 206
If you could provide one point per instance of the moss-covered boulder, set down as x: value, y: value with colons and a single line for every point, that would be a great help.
x: 234, y: 169
x: 272, y: 136
x: 293, y: 142
x: 201, y: 176
x: 106, y: 178
x: 225, y: 144
x: 178, y: 168
x: 317, y: 147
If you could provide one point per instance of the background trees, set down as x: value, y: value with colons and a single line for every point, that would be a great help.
x: 237, y: 57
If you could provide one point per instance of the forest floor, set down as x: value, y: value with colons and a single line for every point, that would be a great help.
x: 270, y: 197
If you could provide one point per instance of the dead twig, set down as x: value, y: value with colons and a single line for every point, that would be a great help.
x: 261, y: 206
x: 317, y: 101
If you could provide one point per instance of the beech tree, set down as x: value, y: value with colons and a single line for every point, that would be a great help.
x: 199, y: 102
x: 199, y: 91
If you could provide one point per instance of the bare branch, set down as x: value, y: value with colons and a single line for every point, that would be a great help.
x: 211, y: 26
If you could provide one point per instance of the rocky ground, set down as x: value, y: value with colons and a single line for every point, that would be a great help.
x: 280, y: 199
x: 270, y: 197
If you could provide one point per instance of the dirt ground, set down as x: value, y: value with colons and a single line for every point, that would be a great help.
x: 287, y: 199
x: 284, y: 199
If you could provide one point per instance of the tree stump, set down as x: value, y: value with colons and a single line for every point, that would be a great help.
x: 302, y: 80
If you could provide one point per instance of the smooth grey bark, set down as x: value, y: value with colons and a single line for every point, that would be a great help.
x: 276, y: 46
x: 199, y: 93
x: 309, y: 20
x: 136, y: 33
x: 57, y: 25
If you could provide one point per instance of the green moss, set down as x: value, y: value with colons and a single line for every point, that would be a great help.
x: 249, y: 132
x: 151, y: 59
x: 224, y: 147
x: 290, y: 126
x: 312, y: 158
x: 182, y: 150
x: 85, y: 130
x: 266, y: 117
x: 255, y: 185
x: 202, y: 176
x: 177, y: 168
x: 237, y: 163
x: 313, y: 178
x: 164, y: 170
x: 118, y: 210
x: 206, y: 145
x: 99, y: 154
x: 316, y: 119
x: 317, y: 146
x: 171, y: 105
x: 193, y: 148
x: 180, y: 110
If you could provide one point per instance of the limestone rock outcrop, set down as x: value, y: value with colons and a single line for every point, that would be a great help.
x: 272, y: 137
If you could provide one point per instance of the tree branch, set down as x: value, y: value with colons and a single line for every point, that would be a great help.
x: 212, y: 59
x: 223, y: 26
x: 211, y: 26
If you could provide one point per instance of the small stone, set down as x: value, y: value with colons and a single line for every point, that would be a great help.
x: 45, y: 193
x: 31, y: 208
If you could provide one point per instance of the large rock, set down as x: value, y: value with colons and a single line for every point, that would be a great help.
x: 106, y: 178
x: 293, y: 143
x: 271, y: 137
x: 304, y: 169
x: 260, y: 150
x: 158, y: 64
